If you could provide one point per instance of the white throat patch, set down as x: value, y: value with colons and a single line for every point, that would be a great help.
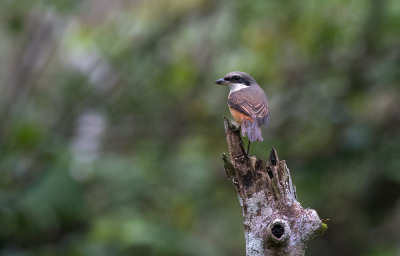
x: 236, y: 87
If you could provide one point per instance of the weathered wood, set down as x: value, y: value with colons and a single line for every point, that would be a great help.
x: 274, y: 221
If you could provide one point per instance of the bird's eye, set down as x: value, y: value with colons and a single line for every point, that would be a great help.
x: 236, y: 78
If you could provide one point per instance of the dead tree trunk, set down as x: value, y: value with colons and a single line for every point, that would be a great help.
x: 274, y: 221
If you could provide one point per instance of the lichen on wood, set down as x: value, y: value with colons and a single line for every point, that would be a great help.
x: 274, y: 221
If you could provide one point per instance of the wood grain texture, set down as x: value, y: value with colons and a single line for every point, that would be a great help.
x: 274, y: 221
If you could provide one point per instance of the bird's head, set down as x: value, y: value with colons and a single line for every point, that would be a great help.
x: 237, y: 80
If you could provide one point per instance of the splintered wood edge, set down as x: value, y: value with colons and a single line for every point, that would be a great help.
x: 270, y: 189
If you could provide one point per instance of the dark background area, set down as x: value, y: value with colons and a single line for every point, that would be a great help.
x: 111, y: 129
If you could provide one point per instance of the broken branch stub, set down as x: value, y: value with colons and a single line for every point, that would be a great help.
x: 274, y: 221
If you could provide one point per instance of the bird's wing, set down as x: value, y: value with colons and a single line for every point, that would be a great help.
x: 252, y: 102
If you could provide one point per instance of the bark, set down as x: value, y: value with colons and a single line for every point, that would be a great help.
x: 274, y: 221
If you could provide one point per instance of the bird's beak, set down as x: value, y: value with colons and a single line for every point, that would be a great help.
x: 221, y: 81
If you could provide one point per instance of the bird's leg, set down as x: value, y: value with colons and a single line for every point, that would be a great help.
x: 248, y: 148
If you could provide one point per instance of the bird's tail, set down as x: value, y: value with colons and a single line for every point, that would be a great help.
x: 252, y: 130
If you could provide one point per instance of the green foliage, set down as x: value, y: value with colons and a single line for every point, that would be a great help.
x: 111, y: 134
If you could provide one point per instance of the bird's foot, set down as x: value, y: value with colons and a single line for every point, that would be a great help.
x: 236, y: 126
x: 240, y: 158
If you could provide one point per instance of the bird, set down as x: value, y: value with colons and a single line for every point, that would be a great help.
x: 247, y: 103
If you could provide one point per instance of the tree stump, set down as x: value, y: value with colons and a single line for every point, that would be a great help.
x: 274, y: 221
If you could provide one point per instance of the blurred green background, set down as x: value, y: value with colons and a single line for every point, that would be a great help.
x: 111, y: 129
